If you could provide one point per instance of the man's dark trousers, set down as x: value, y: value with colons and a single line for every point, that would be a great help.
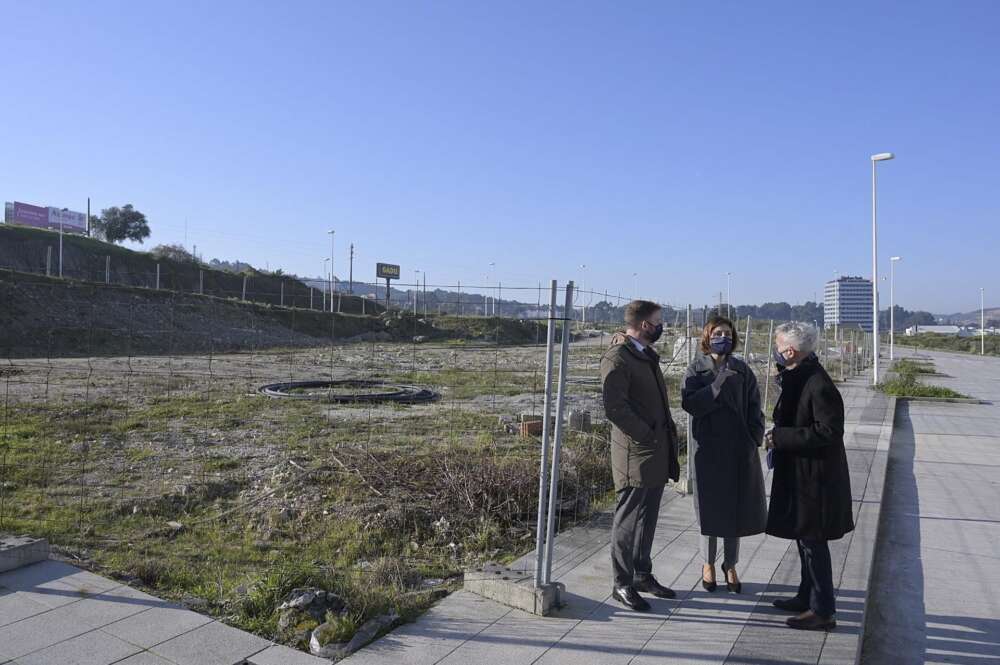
x: 816, y: 587
x: 632, y: 533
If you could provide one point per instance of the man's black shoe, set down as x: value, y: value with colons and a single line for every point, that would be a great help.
x: 650, y: 585
x: 628, y: 597
x: 809, y: 620
x: 793, y: 604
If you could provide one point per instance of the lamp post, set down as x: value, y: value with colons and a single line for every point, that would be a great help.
x: 635, y: 286
x: 892, y: 305
x: 331, y: 232
x: 729, y: 295
x: 880, y: 157
x: 982, y: 321
x: 583, y: 267
x: 61, y: 243
x: 325, y: 275
x: 416, y: 286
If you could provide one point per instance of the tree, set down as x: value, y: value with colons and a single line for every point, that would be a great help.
x: 125, y: 223
x: 173, y: 253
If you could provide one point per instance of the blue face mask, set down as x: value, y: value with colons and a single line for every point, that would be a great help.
x: 721, y: 345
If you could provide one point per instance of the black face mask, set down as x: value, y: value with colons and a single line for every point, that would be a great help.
x: 655, y: 335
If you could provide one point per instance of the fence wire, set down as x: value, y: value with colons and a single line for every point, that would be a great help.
x: 134, y: 436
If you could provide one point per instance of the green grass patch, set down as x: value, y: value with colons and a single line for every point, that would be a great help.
x: 905, y: 381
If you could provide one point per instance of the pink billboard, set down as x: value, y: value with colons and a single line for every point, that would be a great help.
x: 29, y: 215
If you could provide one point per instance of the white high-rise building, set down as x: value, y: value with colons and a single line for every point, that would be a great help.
x: 847, y: 302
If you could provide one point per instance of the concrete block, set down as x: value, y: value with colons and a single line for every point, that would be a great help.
x: 19, y: 551
x: 514, y: 588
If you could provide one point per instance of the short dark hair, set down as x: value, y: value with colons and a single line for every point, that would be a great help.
x: 714, y: 322
x: 638, y: 311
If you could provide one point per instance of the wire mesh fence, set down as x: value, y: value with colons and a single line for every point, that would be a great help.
x: 134, y: 434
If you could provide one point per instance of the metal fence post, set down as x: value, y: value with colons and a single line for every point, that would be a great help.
x: 157, y: 276
x: 201, y: 282
x: 244, y: 287
x: 546, y: 422
x: 282, y: 294
x: 310, y: 297
x: 688, y: 485
x: 557, y: 443
x: 767, y: 372
x: 746, y: 342
x: 107, y: 269
x: 48, y: 261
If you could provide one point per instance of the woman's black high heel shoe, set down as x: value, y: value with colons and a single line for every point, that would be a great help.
x: 709, y: 586
x: 735, y: 587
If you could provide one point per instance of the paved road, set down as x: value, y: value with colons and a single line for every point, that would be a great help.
x: 698, y: 627
x: 937, y: 573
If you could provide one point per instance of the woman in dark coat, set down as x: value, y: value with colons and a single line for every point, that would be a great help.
x: 720, y: 392
x: 810, y: 485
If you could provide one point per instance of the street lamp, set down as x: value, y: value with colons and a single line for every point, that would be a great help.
x: 331, y: 232
x: 635, y: 286
x: 729, y: 296
x: 325, y: 275
x: 61, y: 242
x: 583, y: 266
x: 982, y: 321
x: 880, y: 157
x: 892, y: 304
x: 416, y: 283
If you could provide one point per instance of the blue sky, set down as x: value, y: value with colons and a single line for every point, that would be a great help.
x: 676, y: 140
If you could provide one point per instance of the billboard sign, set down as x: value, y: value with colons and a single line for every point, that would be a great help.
x: 26, y: 214
x: 70, y: 220
x: 387, y: 271
x: 29, y: 215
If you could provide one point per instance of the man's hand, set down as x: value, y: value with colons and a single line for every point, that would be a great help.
x: 720, y: 378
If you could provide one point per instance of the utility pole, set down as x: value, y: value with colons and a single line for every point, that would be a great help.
x: 425, y: 294
x: 982, y: 321
x: 351, y: 272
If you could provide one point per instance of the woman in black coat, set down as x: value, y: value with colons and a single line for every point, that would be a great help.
x: 727, y: 427
x: 811, y: 485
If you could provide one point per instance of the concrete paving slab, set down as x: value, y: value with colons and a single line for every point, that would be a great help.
x: 212, y: 644
x: 156, y: 625
x: 109, y: 606
x: 15, y: 606
x: 54, y: 583
x: 38, y: 632
x: 941, y: 525
x: 282, y: 655
x: 88, y: 649
x: 144, y: 658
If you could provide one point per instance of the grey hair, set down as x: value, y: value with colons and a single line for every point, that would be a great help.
x: 801, y: 335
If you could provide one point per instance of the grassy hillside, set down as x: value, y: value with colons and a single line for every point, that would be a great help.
x: 26, y: 249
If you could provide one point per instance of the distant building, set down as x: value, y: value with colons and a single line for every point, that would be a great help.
x: 960, y: 331
x: 847, y: 302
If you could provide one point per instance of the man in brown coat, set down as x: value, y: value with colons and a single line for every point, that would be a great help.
x: 643, y: 450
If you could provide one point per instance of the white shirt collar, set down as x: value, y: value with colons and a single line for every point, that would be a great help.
x: 639, y: 345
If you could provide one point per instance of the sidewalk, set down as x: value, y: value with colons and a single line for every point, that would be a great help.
x: 938, y: 565
x: 697, y: 627
x: 52, y: 613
